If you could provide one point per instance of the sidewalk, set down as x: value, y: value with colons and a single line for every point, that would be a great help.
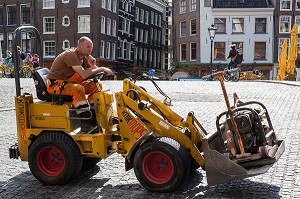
x: 290, y: 83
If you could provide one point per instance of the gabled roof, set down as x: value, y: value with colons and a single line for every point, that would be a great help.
x: 243, y: 4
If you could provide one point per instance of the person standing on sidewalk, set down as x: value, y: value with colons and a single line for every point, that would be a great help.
x: 298, y: 66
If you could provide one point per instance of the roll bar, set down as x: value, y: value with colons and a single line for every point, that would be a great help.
x: 17, y: 40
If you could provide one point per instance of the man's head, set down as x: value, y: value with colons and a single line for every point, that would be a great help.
x: 84, y: 46
x: 232, y: 46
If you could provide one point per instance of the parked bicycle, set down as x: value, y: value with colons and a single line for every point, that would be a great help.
x: 25, y: 71
x: 234, y: 76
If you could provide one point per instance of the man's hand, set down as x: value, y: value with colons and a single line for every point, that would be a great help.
x: 91, y: 60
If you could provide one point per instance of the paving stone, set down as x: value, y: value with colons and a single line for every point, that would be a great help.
x: 109, y: 179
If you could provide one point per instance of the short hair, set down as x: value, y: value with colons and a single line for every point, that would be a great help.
x: 83, y: 39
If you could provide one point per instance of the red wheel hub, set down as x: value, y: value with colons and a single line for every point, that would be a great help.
x: 50, y: 161
x: 158, y: 167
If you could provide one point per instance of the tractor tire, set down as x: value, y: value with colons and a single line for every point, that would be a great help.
x: 161, y: 165
x: 54, y: 158
x: 90, y: 162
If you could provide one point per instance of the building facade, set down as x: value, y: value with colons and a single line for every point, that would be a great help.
x: 109, y: 23
x: 286, y: 14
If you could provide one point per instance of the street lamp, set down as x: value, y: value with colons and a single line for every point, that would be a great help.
x: 212, y: 32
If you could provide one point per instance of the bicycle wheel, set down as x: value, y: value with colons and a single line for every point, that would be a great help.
x: 2, y: 72
x: 226, y: 77
x: 26, y: 72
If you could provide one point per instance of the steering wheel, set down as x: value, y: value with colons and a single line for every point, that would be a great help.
x: 95, y: 76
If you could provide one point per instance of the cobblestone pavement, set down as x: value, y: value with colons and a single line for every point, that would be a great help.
x: 109, y: 180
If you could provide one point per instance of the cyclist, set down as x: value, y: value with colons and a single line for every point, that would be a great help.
x: 232, y: 55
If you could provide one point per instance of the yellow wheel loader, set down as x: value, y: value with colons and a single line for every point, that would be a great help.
x: 161, y: 146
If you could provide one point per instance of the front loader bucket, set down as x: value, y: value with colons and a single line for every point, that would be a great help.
x: 220, y: 169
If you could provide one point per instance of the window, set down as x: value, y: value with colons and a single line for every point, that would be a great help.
x: 137, y: 13
x: 142, y: 16
x: 65, y: 1
x: 297, y: 4
x: 49, y: 25
x: 114, y: 28
x: 260, y: 25
x: 113, y: 51
x: 152, y: 17
x: 48, y: 4
x: 49, y: 49
x: 136, y: 35
x: 220, y: 24
x: 297, y: 21
x: 219, y: 51
x: 1, y: 16
x: 147, y: 18
x: 126, y: 25
x: 107, y: 53
x: 141, y: 35
x: 285, y: 5
x: 193, y: 51
x: 182, y: 6
x: 9, y: 41
x: 146, y: 37
x: 182, y: 52
x: 26, y: 42
x: 114, y: 6
x: 65, y: 21
x: 145, y: 57
x: 182, y: 29
x: 103, y: 4
x: 102, y: 24
x: 193, y: 5
x: 284, y: 24
x: 102, y: 49
x: 155, y: 19
x: 108, y: 26
x: 159, y: 20
x: 83, y: 3
x: 108, y: 5
x: 260, y: 50
x: 25, y: 14
x: 237, y: 25
x: 193, y: 27
x: 84, y: 23
x: 11, y: 15
x: 66, y: 44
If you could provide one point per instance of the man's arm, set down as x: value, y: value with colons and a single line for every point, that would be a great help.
x: 93, y: 69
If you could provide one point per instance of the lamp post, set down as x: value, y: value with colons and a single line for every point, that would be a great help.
x: 212, y: 32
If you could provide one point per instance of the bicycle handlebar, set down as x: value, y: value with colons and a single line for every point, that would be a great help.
x: 214, y: 75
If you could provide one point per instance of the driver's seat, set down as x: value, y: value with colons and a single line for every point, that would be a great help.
x: 39, y: 77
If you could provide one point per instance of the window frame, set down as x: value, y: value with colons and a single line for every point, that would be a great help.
x: 191, y: 27
x: 263, y: 24
x: 285, y: 9
x: 241, y: 23
x: 220, y: 22
x: 183, y: 59
x: 193, y: 51
x: 81, y: 4
x: 11, y: 16
x: 53, y: 47
x: 26, y: 12
x: 288, y: 21
x: 181, y: 29
x: 259, y: 48
x: 45, y: 26
x: 182, y: 6
x: 86, y: 25
x: 64, y: 19
x: 48, y: 4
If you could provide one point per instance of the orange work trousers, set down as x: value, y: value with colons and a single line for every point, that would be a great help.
x: 76, y: 88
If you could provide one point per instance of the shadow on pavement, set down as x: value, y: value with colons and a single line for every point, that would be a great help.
x: 86, y: 185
